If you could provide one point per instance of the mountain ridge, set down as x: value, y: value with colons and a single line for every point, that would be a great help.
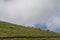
x: 8, y: 29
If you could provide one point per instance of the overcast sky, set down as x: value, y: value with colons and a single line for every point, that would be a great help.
x: 45, y: 13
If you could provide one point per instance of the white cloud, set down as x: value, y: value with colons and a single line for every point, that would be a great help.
x: 30, y: 12
x: 53, y: 23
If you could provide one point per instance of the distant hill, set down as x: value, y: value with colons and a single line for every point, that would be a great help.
x: 8, y: 29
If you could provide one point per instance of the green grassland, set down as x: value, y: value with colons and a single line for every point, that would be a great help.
x: 9, y: 29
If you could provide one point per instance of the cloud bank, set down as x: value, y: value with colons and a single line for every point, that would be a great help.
x: 31, y: 12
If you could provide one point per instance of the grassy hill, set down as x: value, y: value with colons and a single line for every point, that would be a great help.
x: 8, y: 29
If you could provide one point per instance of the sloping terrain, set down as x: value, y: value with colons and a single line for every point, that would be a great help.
x: 9, y: 29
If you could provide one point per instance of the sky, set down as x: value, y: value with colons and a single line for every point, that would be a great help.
x: 44, y: 14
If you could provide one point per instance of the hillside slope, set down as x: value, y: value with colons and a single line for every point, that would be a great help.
x: 8, y: 29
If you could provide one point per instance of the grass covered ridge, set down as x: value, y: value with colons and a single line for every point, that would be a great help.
x: 8, y: 29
